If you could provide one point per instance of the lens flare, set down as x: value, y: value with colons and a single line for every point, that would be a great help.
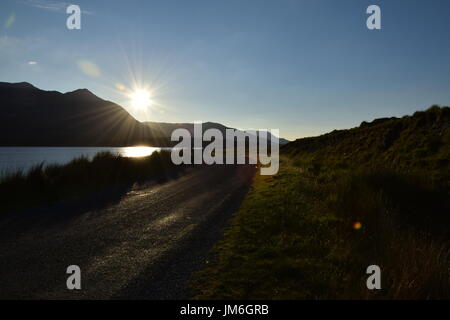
x: 357, y: 225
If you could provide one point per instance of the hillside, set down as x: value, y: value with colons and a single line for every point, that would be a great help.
x: 34, y: 117
x: 373, y: 195
x: 418, y: 143
x: 166, y: 128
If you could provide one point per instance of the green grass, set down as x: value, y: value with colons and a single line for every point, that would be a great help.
x: 81, y: 177
x: 418, y: 144
x: 293, y: 237
x: 275, y: 247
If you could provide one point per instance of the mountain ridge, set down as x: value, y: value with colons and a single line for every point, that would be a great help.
x: 413, y: 143
x: 77, y: 118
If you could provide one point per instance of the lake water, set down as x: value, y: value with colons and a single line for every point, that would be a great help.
x: 23, y: 158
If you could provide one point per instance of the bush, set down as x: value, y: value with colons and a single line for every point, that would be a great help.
x: 81, y: 177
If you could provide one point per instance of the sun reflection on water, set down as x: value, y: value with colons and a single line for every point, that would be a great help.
x: 137, y: 152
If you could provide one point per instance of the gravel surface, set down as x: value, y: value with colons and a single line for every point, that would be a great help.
x: 144, y: 246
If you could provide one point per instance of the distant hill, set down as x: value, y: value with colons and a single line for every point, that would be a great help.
x: 420, y: 142
x: 166, y: 129
x: 33, y: 117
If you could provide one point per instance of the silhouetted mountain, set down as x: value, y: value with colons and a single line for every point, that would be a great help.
x: 166, y: 129
x: 20, y: 85
x: 283, y: 141
x: 33, y: 117
x: 419, y: 142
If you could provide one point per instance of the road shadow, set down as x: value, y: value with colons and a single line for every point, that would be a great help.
x: 169, y: 276
x: 64, y: 212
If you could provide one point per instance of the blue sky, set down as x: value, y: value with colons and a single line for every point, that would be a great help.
x: 305, y: 67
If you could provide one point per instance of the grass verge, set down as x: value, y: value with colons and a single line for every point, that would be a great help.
x: 81, y: 177
x: 296, y: 236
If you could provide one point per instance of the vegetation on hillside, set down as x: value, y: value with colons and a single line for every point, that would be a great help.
x: 417, y: 144
x: 81, y: 177
x: 377, y: 194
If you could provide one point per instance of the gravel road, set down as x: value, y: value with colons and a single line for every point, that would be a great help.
x: 144, y: 246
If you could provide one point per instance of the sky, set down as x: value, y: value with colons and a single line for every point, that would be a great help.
x: 305, y: 67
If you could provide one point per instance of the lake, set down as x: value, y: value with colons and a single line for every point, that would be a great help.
x: 23, y: 158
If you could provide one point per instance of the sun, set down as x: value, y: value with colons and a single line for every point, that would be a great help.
x: 141, y: 98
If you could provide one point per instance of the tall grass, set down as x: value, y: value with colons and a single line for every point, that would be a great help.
x: 404, y: 229
x: 80, y: 177
x: 297, y: 233
x: 294, y: 237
